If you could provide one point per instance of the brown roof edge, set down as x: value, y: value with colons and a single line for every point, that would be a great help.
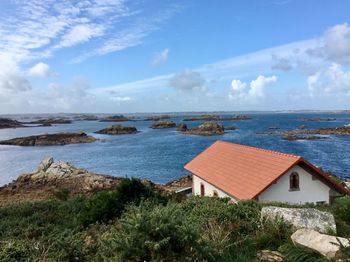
x: 318, y: 171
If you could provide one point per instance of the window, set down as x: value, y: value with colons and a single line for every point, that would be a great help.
x: 202, y: 189
x: 294, y: 182
x: 215, y: 193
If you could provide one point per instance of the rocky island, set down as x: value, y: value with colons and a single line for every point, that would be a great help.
x: 9, y: 123
x: 50, y: 139
x: 163, y: 124
x: 311, y: 134
x: 218, y: 118
x: 157, y: 118
x: 118, y: 130
x: 205, y: 129
x: 115, y: 118
x: 317, y: 119
x: 51, y: 121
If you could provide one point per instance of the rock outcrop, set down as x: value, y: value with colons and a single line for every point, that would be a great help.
x: 218, y: 118
x: 118, y: 130
x: 179, y: 183
x: 292, y: 137
x: 270, y: 256
x: 163, y: 124
x: 309, y: 218
x: 318, y: 119
x: 9, y: 123
x: 115, y: 118
x: 157, y: 118
x: 326, y: 245
x: 51, y: 121
x: 181, y: 128
x: 50, y: 139
x: 51, y: 177
x: 310, y: 134
x: 206, y: 129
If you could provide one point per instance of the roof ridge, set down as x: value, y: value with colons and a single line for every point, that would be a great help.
x: 261, y: 149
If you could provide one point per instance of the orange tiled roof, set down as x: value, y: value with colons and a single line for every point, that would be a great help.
x: 243, y: 171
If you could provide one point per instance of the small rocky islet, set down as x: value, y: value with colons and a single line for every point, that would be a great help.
x: 118, y: 130
x: 115, y: 118
x: 218, y: 118
x: 205, y: 129
x: 157, y: 118
x: 9, y: 123
x: 311, y: 134
x: 50, y: 139
x: 163, y: 124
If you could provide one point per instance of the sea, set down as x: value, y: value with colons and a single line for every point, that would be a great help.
x: 160, y: 154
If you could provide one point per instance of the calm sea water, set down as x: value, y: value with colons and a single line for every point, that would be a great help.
x: 159, y: 155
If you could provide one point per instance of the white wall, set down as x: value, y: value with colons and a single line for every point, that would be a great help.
x: 310, y: 190
x: 208, y: 188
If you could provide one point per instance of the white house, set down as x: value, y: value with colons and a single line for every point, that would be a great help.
x: 243, y: 172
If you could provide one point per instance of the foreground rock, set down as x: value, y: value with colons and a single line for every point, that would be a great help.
x: 326, y: 245
x: 270, y: 256
x: 9, y: 123
x: 52, y: 177
x: 181, y: 128
x: 163, y: 124
x: 206, y: 129
x: 178, y: 184
x: 115, y: 118
x: 50, y: 139
x: 118, y: 130
x: 218, y: 118
x: 157, y: 118
x: 309, y: 218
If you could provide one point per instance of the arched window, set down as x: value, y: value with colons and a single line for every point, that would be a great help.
x: 202, y: 190
x: 215, y: 193
x: 294, y: 181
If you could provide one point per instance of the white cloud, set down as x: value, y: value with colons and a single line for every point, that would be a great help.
x: 160, y: 57
x: 188, y: 80
x: 80, y: 34
x: 281, y: 63
x: 256, y: 89
x: 337, y: 44
x: 330, y: 81
x: 121, y: 98
x: 40, y: 69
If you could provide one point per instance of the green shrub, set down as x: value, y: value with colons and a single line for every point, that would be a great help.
x: 105, y: 206
x: 273, y: 233
x: 341, y: 209
x: 62, y: 194
x: 158, y: 233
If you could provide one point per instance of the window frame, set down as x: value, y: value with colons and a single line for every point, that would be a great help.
x: 294, y: 182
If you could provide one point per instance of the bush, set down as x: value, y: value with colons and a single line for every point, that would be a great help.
x: 341, y: 209
x: 158, y: 233
x: 105, y: 206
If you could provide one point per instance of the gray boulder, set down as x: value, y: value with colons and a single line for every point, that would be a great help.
x: 326, y: 245
x: 45, y: 163
x: 309, y: 218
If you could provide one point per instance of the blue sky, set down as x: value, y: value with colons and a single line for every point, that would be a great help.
x: 160, y: 56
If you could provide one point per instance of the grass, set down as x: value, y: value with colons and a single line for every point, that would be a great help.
x: 160, y: 228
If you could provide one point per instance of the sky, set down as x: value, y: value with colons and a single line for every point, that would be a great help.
x: 120, y: 56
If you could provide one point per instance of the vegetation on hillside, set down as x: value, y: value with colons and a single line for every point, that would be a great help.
x: 136, y: 222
